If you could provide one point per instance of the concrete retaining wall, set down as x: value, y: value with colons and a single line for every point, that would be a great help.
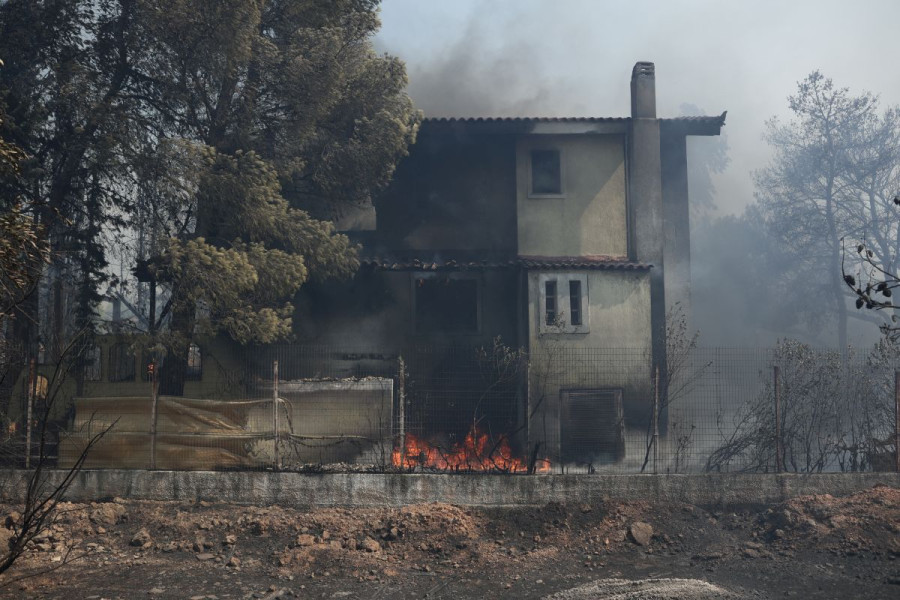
x: 366, y: 489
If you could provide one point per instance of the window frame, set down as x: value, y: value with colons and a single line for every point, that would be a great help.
x: 479, y: 289
x: 563, y: 281
x: 562, y: 171
x: 93, y: 352
x: 194, y: 373
x: 114, y: 355
x: 546, y: 296
x: 572, y: 309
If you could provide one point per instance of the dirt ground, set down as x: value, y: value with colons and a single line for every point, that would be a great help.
x: 809, y: 547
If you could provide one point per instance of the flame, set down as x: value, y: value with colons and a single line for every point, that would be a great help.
x: 477, y: 452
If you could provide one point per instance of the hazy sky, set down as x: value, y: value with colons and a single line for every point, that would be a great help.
x: 574, y: 58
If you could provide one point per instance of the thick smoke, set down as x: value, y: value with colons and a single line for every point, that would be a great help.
x: 532, y: 60
x: 472, y: 78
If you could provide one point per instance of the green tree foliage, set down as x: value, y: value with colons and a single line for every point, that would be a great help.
x: 66, y: 67
x: 257, y: 253
x: 23, y: 253
x: 226, y: 132
x: 296, y: 82
x: 289, y: 117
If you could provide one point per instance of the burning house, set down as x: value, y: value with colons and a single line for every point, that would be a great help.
x: 567, y: 237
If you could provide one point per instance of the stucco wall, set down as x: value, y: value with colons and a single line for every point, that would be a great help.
x: 590, y: 217
x: 614, y: 353
x: 618, y: 311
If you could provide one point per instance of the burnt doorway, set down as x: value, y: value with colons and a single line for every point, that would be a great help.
x: 592, y: 426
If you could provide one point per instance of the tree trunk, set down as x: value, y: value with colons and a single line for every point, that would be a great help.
x: 834, y: 239
x: 837, y: 291
x: 174, y: 367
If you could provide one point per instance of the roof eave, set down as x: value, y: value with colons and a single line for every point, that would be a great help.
x: 702, y: 125
x: 531, y: 126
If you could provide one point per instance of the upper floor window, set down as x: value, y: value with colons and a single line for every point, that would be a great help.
x: 546, y: 173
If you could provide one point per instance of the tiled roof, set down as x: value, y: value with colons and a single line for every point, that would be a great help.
x: 390, y: 263
x: 526, y: 119
x: 714, y: 119
x: 694, y: 125
x: 606, y: 263
x: 609, y: 263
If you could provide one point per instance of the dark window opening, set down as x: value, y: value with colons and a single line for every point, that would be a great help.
x: 550, y: 302
x: 194, y: 363
x: 445, y: 305
x: 121, y: 363
x: 575, y: 302
x: 546, y: 174
x: 92, y: 355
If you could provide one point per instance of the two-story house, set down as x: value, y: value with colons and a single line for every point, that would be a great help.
x: 568, y: 237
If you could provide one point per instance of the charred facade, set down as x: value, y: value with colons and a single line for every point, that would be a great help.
x: 555, y: 235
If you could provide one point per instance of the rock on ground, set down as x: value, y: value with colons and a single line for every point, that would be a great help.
x: 142, y: 538
x: 107, y: 513
x: 641, y: 533
x: 646, y: 589
x: 370, y: 545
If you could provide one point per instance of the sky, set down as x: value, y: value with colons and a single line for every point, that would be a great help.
x: 574, y: 58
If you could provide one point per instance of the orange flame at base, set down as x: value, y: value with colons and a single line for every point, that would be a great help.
x: 477, y: 452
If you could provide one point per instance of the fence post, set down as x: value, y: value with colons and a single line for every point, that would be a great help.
x: 656, y: 421
x: 154, y: 401
x: 897, y: 419
x: 401, y: 409
x: 778, y: 450
x: 30, y: 395
x: 275, y: 413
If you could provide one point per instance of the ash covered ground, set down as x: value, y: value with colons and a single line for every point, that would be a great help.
x: 809, y: 547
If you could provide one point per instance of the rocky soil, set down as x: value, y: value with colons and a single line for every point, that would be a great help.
x: 809, y: 547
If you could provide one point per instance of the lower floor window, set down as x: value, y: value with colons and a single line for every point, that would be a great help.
x: 121, y: 362
x: 194, y: 362
x: 446, y: 304
x: 550, y: 302
x: 575, y: 302
x: 563, y: 303
x: 91, y: 361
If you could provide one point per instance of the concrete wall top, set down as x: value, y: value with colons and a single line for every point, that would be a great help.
x: 367, y: 490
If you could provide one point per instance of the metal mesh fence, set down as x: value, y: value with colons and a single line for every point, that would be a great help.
x: 490, y: 408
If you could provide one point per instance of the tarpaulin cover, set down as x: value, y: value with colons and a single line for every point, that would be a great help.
x: 333, y: 421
